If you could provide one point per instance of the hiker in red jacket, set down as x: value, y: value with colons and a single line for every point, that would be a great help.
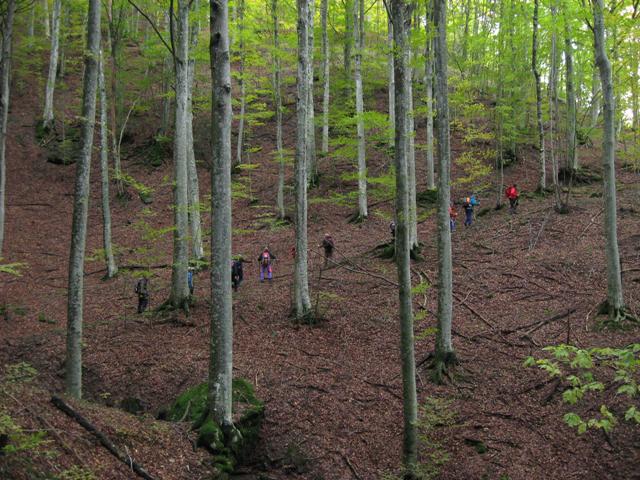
x: 512, y: 194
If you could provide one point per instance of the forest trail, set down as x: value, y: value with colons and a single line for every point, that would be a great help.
x: 332, y: 392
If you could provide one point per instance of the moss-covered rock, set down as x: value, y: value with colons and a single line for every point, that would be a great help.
x: 229, y: 444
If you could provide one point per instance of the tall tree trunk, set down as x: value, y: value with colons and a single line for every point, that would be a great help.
x: 324, y: 10
x: 73, y: 363
x: 445, y: 354
x: 115, y: 35
x: 179, y: 286
x: 362, y: 164
x: 553, y: 101
x: 53, y: 66
x: 411, y: 161
x: 401, y: 15
x: 241, y: 82
x: 595, y: 96
x: 45, y: 18
x: 392, y: 84
x: 349, y: 22
x: 112, y: 268
x: 278, y: 107
x: 542, y: 182
x: 312, y: 165
x: 428, y: 84
x: 302, y: 301
x: 197, y: 250
x: 6, y: 21
x: 221, y: 355
x: 615, y: 299
x: 572, y: 153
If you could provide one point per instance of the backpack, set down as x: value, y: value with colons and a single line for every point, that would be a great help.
x: 266, y: 259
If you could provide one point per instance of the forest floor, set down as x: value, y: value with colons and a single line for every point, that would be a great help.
x: 332, y: 391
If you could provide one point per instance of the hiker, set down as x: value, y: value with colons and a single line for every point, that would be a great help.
x: 190, y: 280
x: 513, y: 195
x: 392, y: 229
x: 468, y: 211
x: 265, y: 260
x: 236, y: 272
x: 453, y: 214
x: 328, y: 246
x: 142, y: 289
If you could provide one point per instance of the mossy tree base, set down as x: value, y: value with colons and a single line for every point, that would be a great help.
x: 230, y: 444
x: 441, y: 366
x: 617, y: 318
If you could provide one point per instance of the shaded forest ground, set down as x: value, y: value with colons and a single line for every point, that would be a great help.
x: 332, y: 392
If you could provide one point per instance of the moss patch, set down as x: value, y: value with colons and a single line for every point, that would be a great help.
x: 230, y: 445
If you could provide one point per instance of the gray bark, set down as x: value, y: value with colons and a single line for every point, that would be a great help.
x: 392, y: 84
x: 112, y: 269
x: 312, y: 165
x: 362, y: 164
x: 241, y: 83
x: 324, y: 8
x: 542, y: 182
x: 6, y: 21
x: 444, y: 345
x: 32, y: 20
x: 401, y: 15
x: 73, y: 363
x: 553, y: 101
x: 572, y: 153
x: 615, y: 298
x: 411, y: 162
x: 595, y: 97
x: 348, y: 36
x: 428, y: 83
x: 221, y: 355
x: 278, y: 107
x: 53, y: 65
x: 197, y: 250
x: 179, y: 287
x: 301, y: 298
x: 45, y: 19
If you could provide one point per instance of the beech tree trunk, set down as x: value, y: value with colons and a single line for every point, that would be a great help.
x: 595, y: 96
x: 553, y: 111
x: 221, y: 355
x: 362, y: 164
x: 572, y: 153
x: 615, y: 299
x: 112, y: 268
x: 542, y: 182
x: 324, y: 8
x: 6, y: 21
x: 277, y: 100
x: 411, y: 161
x: 195, y: 224
x: 73, y: 363
x: 312, y: 165
x: 48, y: 115
x: 45, y: 19
x: 392, y: 84
x: 401, y: 16
x: 445, y: 354
x: 301, y: 298
x: 179, y: 286
x: 241, y: 83
x: 428, y: 83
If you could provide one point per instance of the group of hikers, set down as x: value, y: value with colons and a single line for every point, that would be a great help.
x: 267, y: 258
x: 265, y: 263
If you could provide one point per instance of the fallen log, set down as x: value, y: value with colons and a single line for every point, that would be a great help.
x: 102, y: 438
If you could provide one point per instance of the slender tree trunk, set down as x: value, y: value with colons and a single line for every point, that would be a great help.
x: 362, y: 164
x: 428, y: 83
x: 114, y: 43
x: 221, y: 355
x: 73, y: 363
x: 302, y: 301
x: 553, y: 98
x: 615, y: 299
x: 325, y: 78
x: 166, y: 86
x: 45, y: 18
x: 241, y: 82
x: 392, y: 84
x: 348, y: 36
x: 179, y: 286
x: 445, y: 354
x: 278, y: 107
x: 312, y: 165
x: 112, y: 268
x: 411, y: 162
x: 542, y: 182
x: 6, y: 21
x: 401, y: 15
x: 572, y: 154
x: 595, y: 96
x: 197, y: 250
x: 53, y: 65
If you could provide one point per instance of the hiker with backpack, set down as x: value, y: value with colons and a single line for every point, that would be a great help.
x: 512, y: 194
x: 453, y: 214
x: 468, y: 205
x: 392, y: 229
x: 328, y: 245
x: 265, y: 260
x: 142, y: 289
x: 236, y: 273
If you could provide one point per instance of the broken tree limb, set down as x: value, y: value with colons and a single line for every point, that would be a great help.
x: 102, y: 438
x: 542, y: 323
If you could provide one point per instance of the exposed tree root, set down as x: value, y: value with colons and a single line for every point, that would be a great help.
x: 441, y: 367
x: 617, y: 318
